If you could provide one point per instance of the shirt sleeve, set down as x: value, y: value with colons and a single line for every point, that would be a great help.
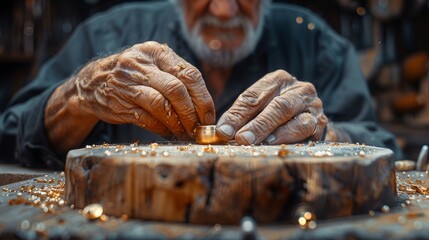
x: 22, y: 133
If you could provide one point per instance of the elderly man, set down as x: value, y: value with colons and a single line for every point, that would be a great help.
x: 274, y: 73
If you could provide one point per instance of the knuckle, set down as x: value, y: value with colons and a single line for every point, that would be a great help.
x: 249, y: 99
x: 306, y: 119
x: 175, y: 87
x: 263, y: 124
x: 158, y: 102
x: 120, y: 73
x: 148, y: 45
x: 323, y: 120
x: 154, y: 48
x: 317, y: 103
x: 234, y: 116
x: 281, y: 74
x: 122, y: 58
x: 192, y: 74
x: 282, y: 106
x: 126, y: 60
x: 309, y: 87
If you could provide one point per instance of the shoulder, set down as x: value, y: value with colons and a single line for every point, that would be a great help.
x: 151, y: 10
x: 281, y: 13
x: 301, y: 26
x: 126, y: 24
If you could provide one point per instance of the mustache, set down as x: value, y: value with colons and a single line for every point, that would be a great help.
x: 232, y: 24
x: 237, y: 21
x: 212, y: 52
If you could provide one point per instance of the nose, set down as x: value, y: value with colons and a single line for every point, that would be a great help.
x: 223, y: 9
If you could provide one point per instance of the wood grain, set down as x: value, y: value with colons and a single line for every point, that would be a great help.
x: 222, y: 183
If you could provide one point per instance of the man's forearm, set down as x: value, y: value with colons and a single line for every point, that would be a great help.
x: 65, y: 125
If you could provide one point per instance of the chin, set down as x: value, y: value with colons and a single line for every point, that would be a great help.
x: 224, y: 57
x: 218, y: 56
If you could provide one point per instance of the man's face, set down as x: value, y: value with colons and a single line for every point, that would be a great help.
x: 222, y: 32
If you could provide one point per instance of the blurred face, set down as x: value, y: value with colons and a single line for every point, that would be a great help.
x: 222, y: 32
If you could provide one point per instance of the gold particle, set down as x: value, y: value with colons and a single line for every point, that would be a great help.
x: 165, y: 154
x: 104, y: 218
x: 93, y: 211
x: 311, y: 26
x: 308, y: 215
x: 283, y: 153
x: 183, y: 148
x: 385, y: 209
x: 136, y: 115
x: 299, y: 20
x: 181, y: 66
x: 210, y: 149
x: 302, y: 221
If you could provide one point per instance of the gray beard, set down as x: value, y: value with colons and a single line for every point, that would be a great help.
x: 223, y: 58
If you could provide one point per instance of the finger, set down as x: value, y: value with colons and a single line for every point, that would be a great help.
x: 298, y: 129
x: 295, y: 99
x: 167, y: 85
x: 125, y: 112
x: 279, y: 111
x: 154, y: 103
x: 251, y: 102
x: 168, y: 61
x: 149, y: 99
x: 322, y: 121
x: 143, y: 119
x: 176, y: 93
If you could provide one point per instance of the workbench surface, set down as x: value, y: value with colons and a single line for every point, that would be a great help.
x: 26, y: 213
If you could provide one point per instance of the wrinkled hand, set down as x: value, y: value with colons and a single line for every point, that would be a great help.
x: 276, y: 109
x: 147, y: 85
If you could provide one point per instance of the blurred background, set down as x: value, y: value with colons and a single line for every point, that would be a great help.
x: 391, y: 36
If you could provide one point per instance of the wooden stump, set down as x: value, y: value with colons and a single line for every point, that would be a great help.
x: 221, y: 184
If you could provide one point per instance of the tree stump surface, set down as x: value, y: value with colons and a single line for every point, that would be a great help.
x: 205, y: 184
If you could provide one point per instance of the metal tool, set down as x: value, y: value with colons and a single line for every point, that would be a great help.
x: 422, y: 161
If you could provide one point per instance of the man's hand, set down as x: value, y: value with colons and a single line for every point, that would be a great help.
x: 147, y: 85
x: 276, y: 109
x: 150, y: 86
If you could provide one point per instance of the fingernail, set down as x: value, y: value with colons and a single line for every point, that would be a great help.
x: 226, y: 130
x: 271, y: 138
x: 248, y: 136
x: 209, y: 118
